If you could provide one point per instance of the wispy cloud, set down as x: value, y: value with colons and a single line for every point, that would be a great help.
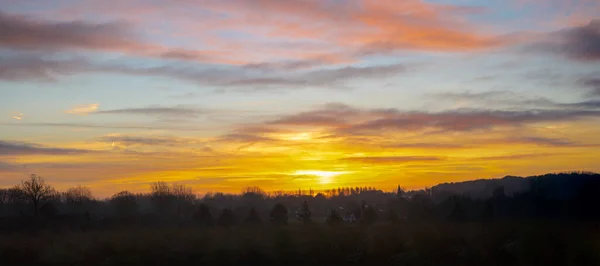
x: 13, y: 148
x: 83, y: 109
x: 37, y: 68
x: 127, y: 140
x: 581, y: 43
x: 128, y: 126
x: 512, y: 100
x: 593, y: 84
x: 17, y: 116
x: 344, y: 120
x: 180, y: 112
x: 391, y: 159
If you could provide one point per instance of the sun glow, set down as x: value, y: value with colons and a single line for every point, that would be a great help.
x: 325, y: 177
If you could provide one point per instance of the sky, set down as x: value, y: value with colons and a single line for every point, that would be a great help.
x: 296, y: 94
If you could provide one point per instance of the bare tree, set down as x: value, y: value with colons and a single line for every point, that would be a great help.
x: 125, y: 204
x: 161, y: 198
x: 78, y: 198
x: 160, y: 189
x: 183, y: 193
x: 254, y: 190
x: 4, y: 198
x: 36, y: 190
x: 78, y: 195
x: 252, y: 196
x: 184, y: 196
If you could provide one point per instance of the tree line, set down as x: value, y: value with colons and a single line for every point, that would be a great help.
x: 561, y: 197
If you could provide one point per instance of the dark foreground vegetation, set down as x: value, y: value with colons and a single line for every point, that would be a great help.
x: 543, y: 220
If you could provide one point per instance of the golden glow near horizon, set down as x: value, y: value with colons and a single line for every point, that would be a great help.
x: 298, y: 161
x: 325, y: 177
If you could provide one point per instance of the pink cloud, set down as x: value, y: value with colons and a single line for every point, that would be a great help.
x: 343, y: 29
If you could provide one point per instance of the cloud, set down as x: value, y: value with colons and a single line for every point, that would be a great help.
x: 107, y: 126
x: 479, y: 142
x: 297, y: 64
x: 145, y: 141
x: 83, y: 109
x: 17, y: 116
x: 329, y: 78
x: 244, y: 138
x: 316, y: 33
x: 581, y: 43
x: 339, y: 120
x: 329, y: 115
x: 38, y: 68
x: 435, y: 146
x: 391, y: 159
x: 376, y: 26
x: 180, y: 112
x: 542, y: 141
x: 594, y: 86
x: 463, y: 120
x: 14, y: 148
x: 21, y: 32
x: 513, y: 100
x: 516, y: 156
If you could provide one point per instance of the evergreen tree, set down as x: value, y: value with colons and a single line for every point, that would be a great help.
x: 253, y: 218
x: 334, y: 218
x: 203, y: 216
x: 304, y: 213
x: 227, y: 218
x: 279, y: 215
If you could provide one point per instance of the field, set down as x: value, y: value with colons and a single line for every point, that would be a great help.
x: 533, y: 243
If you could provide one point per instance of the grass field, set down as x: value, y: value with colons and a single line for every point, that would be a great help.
x: 398, y: 244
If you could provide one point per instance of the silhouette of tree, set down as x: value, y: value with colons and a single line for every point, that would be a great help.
x: 253, y: 218
x: 78, y: 197
x: 420, y: 207
x: 125, y: 204
x: 488, y: 211
x: 334, y: 218
x: 183, y: 197
x: 203, y: 216
x: 47, y: 210
x: 499, y: 193
x: 369, y: 215
x: 162, y: 198
x: 36, y: 190
x: 257, y: 191
x: 226, y: 218
x: 253, y: 196
x: 458, y: 213
x: 304, y: 213
x: 4, y: 198
x: 279, y: 215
